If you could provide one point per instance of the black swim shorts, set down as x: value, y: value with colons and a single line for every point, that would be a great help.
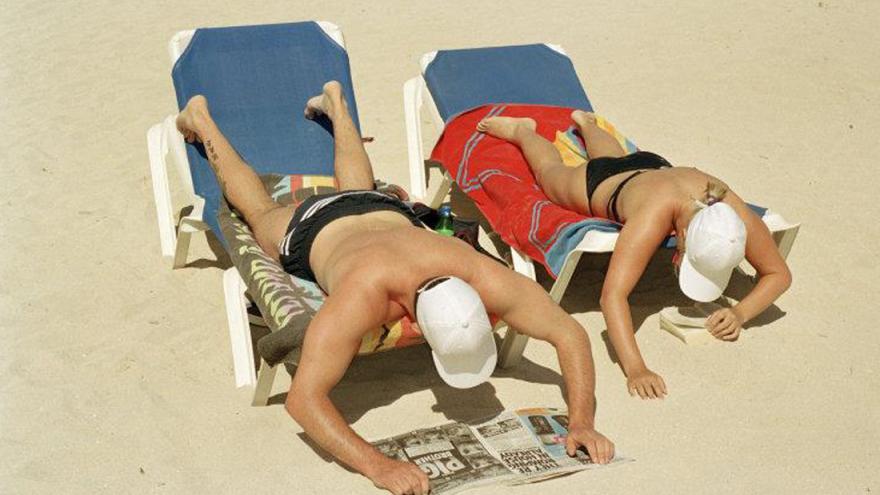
x: 318, y: 211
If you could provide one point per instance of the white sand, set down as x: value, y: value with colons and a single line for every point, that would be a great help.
x: 98, y: 395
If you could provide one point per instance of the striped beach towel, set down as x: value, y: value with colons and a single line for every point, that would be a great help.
x: 496, y: 176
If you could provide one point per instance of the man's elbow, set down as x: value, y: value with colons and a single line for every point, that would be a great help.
x: 292, y: 405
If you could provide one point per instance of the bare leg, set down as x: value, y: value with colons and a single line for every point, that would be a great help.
x: 598, y: 142
x: 563, y: 185
x: 240, y: 184
x: 351, y: 163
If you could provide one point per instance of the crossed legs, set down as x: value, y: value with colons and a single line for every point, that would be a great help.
x: 563, y: 185
x: 242, y: 187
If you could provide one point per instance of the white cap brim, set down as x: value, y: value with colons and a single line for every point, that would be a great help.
x: 702, y: 287
x: 469, y: 369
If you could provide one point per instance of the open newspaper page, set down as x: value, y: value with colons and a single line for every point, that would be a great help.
x: 522, y: 446
x: 533, y: 444
x: 451, y: 455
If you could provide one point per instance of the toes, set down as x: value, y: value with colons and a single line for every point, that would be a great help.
x: 314, y: 106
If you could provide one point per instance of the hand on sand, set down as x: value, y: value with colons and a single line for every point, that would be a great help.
x: 400, y: 478
x: 601, y: 449
x: 725, y: 324
x: 188, y: 119
x: 647, y: 384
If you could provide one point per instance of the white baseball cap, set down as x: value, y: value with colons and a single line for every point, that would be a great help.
x: 714, y: 246
x: 453, y: 320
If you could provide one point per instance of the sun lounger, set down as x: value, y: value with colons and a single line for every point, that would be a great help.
x: 257, y: 80
x: 461, y: 86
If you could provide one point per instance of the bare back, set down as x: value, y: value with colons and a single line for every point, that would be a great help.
x: 648, y: 190
x: 386, y: 253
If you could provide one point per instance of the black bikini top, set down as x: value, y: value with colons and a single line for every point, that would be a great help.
x: 611, y: 208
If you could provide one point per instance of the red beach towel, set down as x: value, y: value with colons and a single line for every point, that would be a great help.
x: 496, y: 176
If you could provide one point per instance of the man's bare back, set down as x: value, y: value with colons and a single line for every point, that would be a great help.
x: 397, y: 257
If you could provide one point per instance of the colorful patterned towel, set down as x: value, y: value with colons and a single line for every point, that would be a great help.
x: 496, y: 176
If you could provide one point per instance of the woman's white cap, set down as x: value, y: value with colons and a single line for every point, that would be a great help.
x: 714, y: 246
x: 453, y: 320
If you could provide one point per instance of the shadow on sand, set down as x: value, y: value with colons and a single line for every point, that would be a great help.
x: 381, y: 379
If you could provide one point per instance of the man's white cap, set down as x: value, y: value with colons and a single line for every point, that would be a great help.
x: 455, y: 324
x: 715, y: 244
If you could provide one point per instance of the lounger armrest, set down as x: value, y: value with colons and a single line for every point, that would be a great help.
x: 333, y: 31
x: 412, y: 105
x: 777, y: 223
x: 157, y: 146
x: 178, y: 44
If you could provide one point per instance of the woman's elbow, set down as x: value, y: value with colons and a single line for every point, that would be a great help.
x: 785, y: 278
x: 609, y: 299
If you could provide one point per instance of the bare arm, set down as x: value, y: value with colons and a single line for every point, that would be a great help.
x: 524, y: 305
x: 774, y: 277
x: 331, y: 341
x: 638, y: 240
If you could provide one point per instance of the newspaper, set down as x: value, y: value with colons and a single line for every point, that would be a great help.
x: 515, y: 447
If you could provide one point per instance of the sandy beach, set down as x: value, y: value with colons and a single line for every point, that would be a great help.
x: 115, y: 371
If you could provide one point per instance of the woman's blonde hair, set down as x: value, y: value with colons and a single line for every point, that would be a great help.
x: 714, y: 193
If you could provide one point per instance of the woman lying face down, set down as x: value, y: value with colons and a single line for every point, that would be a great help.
x: 715, y: 230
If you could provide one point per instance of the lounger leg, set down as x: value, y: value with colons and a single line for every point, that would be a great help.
x: 264, y: 384
x: 564, y: 278
x: 180, y: 252
x: 512, y: 348
x: 442, y: 191
x: 785, y: 240
x: 239, y: 330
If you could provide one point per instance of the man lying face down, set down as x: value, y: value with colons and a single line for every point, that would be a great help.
x: 378, y: 263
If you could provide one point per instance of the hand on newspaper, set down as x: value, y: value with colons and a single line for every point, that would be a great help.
x: 601, y: 449
x: 400, y: 478
x: 646, y: 383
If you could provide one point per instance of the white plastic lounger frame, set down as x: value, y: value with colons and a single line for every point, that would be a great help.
x: 162, y: 139
x: 416, y: 96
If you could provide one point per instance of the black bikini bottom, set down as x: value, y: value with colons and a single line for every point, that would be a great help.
x: 599, y: 169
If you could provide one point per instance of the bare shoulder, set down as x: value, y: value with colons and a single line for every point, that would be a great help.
x: 357, y: 304
x: 492, y: 280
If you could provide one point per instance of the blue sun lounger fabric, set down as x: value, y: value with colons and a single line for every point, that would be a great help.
x: 460, y: 80
x: 257, y: 80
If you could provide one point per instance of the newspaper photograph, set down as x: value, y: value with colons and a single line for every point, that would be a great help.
x: 451, y: 455
x: 515, y: 447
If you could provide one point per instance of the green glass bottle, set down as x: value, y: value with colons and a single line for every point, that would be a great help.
x: 444, y: 225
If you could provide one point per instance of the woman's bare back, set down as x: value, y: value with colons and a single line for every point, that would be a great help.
x: 649, y: 189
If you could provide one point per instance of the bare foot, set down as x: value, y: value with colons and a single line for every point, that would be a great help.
x: 326, y: 103
x: 190, y: 118
x: 506, y: 127
x: 583, y: 119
